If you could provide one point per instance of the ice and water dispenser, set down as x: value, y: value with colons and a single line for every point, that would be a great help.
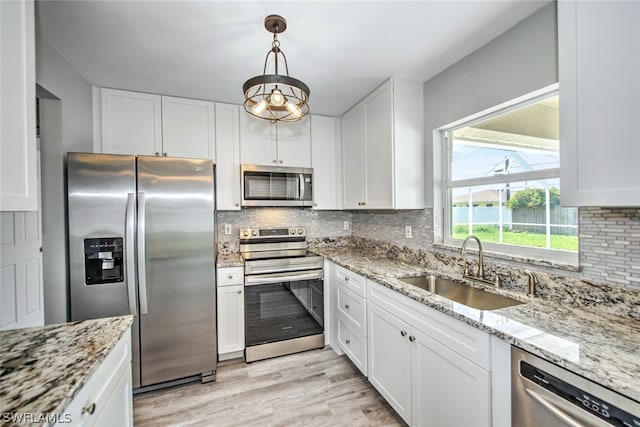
x: 103, y: 260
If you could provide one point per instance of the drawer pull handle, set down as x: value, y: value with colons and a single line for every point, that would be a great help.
x: 403, y: 333
x: 239, y: 291
x: 412, y: 338
x: 347, y: 306
x: 348, y: 341
x: 231, y: 276
x: 89, y: 409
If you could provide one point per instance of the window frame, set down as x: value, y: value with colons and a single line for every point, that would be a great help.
x: 557, y: 256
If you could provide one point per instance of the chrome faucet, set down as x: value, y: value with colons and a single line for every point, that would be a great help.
x: 533, y: 281
x: 480, y: 274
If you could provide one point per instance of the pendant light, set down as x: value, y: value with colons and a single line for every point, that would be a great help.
x: 276, y: 97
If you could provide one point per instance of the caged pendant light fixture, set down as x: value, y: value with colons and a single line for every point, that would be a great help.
x: 276, y: 97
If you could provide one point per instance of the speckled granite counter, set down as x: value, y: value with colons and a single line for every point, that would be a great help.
x: 43, y: 368
x: 595, y: 344
x: 229, y: 260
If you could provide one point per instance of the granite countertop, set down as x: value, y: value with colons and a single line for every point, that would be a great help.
x: 43, y: 368
x: 229, y: 260
x: 597, y: 345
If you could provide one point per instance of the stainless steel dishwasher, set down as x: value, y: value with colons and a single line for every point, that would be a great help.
x: 544, y: 394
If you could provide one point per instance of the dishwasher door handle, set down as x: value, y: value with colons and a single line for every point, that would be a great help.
x: 557, y: 412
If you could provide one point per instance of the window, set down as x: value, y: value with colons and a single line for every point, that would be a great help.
x: 502, y: 182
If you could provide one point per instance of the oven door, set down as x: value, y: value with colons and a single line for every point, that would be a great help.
x: 283, y: 306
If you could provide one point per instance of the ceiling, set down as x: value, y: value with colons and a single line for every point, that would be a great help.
x: 207, y: 49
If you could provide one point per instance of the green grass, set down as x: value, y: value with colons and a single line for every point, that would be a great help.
x: 523, y: 238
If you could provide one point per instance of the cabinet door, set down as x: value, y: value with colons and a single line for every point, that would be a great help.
x: 447, y: 389
x: 353, y: 159
x: 18, y: 164
x: 379, y: 148
x: 294, y: 143
x: 325, y: 161
x: 228, y: 157
x: 188, y: 128
x: 257, y: 141
x: 117, y: 410
x: 599, y: 65
x: 390, y: 359
x: 131, y: 123
x: 230, y: 318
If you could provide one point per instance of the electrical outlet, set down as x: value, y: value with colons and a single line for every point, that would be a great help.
x: 407, y: 232
x: 227, y: 229
x: 345, y: 225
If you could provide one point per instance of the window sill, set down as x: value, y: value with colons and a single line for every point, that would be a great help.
x: 569, y: 261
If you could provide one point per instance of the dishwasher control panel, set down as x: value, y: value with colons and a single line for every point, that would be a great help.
x: 598, y: 407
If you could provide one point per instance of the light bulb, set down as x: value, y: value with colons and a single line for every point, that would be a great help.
x: 258, y: 108
x: 293, y: 109
x: 277, y: 98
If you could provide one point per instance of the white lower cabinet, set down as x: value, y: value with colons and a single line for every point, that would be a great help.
x: 350, y: 289
x: 230, y: 311
x: 412, y: 362
x: 107, y: 397
x: 353, y: 344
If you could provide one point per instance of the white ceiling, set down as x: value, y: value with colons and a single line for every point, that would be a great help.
x: 207, y: 49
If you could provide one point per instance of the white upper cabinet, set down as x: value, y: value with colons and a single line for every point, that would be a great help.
x: 325, y: 160
x: 228, y: 157
x: 154, y: 125
x: 18, y: 163
x: 383, y: 149
x: 599, y: 65
x: 275, y: 144
x: 188, y: 128
x: 131, y: 122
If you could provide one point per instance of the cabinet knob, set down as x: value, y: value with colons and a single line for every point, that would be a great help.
x: 280, y: 162
x: 364, y: 203
x: 164, y: 154
x: 347, y: 306
x: 274, y: 161
x: 230, y: 276
x: 89, y: 409
x: 239, y: 291
x: 403, y: 333
x: 157, y: 154
x: 348, y: 341
x: 237, y: 204
x: 412, y: 338
x: 346, y: 279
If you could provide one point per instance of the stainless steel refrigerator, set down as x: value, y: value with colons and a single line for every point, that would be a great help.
x: 142, y: 242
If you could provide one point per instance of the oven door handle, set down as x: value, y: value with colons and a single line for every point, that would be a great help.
x: 264, y: 279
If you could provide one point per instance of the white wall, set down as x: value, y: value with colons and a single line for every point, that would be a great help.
x: 66, y: 126
x: 521, y: 60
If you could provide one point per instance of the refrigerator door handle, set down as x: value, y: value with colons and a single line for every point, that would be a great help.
x: 129, y: 240
x: 142, y: 273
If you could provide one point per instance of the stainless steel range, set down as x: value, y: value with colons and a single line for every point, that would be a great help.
x: 284, y: 307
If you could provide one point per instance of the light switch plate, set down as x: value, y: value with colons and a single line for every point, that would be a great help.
x: 345, y: 225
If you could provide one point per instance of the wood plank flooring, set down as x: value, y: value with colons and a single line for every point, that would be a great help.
x: 313, y: 388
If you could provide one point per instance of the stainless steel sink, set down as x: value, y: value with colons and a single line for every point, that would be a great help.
x: 467, y: 295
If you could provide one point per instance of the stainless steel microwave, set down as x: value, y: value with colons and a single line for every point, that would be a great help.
x: 276, y: 186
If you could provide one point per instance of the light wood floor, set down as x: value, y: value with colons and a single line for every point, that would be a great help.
x: 314, y: 388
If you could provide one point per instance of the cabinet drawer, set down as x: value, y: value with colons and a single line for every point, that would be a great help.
x: 353, y: 309
x: 87, y: 407
x: 354, y: 345
x: 467, y: 341
x: 351, y: 280
x: 230, y: 276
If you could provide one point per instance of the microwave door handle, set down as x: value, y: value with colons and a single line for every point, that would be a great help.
x: 129, y: 252
x: 301, y: 195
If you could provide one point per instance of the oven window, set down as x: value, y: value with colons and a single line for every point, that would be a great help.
x: 281, y: 311
x: 271, y: 186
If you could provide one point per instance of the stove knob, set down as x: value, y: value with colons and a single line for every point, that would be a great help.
x: 254, y: 233
x: 245, y: 233
x: 300, y: 231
